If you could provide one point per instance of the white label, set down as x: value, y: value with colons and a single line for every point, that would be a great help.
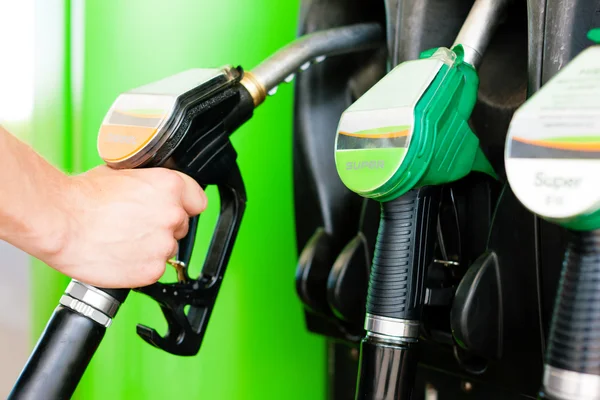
x: 391, y: 102
x: 556, y: 189
x: 552, y: 151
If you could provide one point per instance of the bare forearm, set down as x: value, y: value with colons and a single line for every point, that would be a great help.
x: 32, y: 199
x: 104, y: 227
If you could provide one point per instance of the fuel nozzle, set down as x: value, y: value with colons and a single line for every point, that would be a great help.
x: 183, y: 122
x: 552, y: 160
x: 398, y: 144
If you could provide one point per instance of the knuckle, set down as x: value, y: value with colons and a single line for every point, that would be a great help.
x: 174, y: 248
x: 162, y: 178
x: 169, y: 248
x: 164, y: 246
x: 182, y: 230
x: 154, y: 272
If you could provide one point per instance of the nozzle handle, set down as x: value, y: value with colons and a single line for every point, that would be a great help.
x: 186, y: 329
x: 572, y: 366
x: 403, y: 251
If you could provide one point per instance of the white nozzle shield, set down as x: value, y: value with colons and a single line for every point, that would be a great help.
x: 552, y: 153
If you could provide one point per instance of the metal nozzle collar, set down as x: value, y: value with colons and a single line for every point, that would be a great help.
x: 90, y: 302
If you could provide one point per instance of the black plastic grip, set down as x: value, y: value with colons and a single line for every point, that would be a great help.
x: 403, y: 251
x: 574, y: 341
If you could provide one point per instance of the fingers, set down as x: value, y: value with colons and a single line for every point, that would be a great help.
x: 182, y: 229
x: 193, y: 198
x: 174, y: 250
x: 186, y: 190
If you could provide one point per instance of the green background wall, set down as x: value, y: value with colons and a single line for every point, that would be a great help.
x: 256, y: 346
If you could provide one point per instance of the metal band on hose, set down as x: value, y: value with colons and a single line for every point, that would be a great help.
x: 90, y: 302
x: 254, y: 87
x: 569, y: 385
x: 396, y: 328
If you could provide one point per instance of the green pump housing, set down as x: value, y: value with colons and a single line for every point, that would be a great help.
x: 411, y: 128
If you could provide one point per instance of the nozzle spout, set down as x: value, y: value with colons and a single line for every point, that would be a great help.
x: 479, y: 27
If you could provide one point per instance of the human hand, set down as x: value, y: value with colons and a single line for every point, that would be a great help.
x: 123, y: 225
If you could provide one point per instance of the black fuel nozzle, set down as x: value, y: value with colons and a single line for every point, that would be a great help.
x: 182, y: 123
x: 193, y: 114
x: 190, y: 134
x: 196, y: 142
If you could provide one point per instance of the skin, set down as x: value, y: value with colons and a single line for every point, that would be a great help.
x: 108, y: 228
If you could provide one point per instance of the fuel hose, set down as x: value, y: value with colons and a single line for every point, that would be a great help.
x: 68, y: 342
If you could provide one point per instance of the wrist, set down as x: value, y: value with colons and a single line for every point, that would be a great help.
x: 34, y: 211
x: 56, y: 219
x: 40, y: 225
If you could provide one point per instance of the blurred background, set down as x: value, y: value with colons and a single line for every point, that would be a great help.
x: 62, y: 64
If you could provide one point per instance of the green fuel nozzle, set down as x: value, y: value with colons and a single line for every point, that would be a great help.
x: 411, y: 129
x: 552, y: 153
x: 398, y: 143
x: 552, y: 160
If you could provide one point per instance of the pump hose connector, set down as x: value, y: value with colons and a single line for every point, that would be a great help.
x: 572, y: 366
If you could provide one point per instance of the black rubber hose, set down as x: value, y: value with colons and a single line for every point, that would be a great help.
x: 387, y: 371
x: 330, y: 42
x: 61, y: 355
